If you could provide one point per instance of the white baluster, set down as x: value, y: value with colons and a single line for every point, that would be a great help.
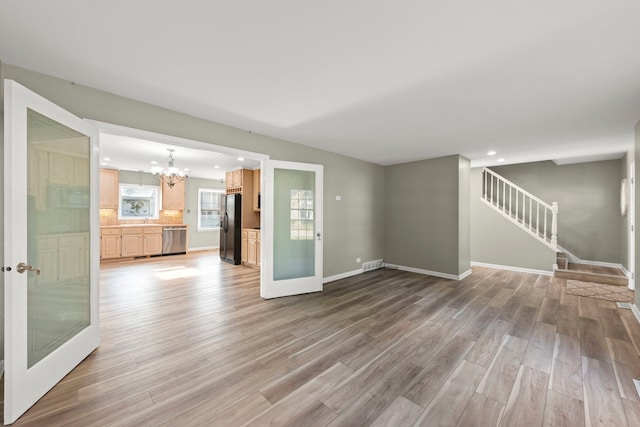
x: 554, y: 224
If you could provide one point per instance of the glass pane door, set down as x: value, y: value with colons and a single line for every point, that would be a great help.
x: 51, y: 245
x: 294, y: 222
x: 57, y: 234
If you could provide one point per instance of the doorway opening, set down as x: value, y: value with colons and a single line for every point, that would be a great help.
x: 137, y: 154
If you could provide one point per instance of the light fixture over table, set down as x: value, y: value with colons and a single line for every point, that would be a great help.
x: 171, y: 174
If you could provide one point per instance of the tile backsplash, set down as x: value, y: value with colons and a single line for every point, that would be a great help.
x: 110, y: 217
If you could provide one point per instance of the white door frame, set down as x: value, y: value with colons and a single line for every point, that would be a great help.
x: 270, y: 288
x: 196, y: 145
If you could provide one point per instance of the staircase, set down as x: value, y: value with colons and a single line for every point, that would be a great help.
x: 588, y: 273
x: 540, y: 219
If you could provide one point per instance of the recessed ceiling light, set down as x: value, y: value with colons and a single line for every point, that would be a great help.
x: 216, y: 167
x: 187, y: 169
x: 501, y: 160
x: 241, y: 159
x: 491, y: 153
x: 153, y: 162
x: 106, y: 159
x: 103, y: 164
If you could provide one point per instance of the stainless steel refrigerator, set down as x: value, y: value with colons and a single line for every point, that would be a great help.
x: 231, y: 229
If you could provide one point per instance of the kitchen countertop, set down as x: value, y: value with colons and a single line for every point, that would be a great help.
x: 142, y: 225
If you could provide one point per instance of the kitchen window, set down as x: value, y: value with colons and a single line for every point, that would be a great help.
x: 209, y: 202
x: 139, y: 201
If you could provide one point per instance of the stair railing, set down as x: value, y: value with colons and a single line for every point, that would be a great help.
x: 535, y: 216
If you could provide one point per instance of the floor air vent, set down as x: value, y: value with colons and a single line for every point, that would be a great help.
x: 372, y: 265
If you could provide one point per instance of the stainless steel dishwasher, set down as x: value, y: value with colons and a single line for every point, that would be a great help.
x: 174, y: 240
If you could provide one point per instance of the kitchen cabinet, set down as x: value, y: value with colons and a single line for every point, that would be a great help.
x: 152, y: 241
x: 233, y: 179
x: 173, y: 197
x: 109, y: 191
x: 244, y: 246
x: 110, y: 243
x: 256, y: 190
x: 127, y: 241
x: 251, y: 248
x: 132, y: 242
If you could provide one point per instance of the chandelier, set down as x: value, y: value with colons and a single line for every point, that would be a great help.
x: 171, y: 174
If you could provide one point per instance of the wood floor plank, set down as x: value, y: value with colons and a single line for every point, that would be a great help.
x: 612, y: 325
x: 199, y: 348
x: 501, y: 375
x: 488, y: 344
x: 568, y: 321
x: 592, y: 342
x: 539, y: 353
x: 632, y: 411
x: 401, y: 413
x: 602, y: 403
x: 447, y: 406
x: 562, y: 410
x: 426, y: 384
x: 566, y: 369
x: 526, y: 403
x: 306, y: 399
x: 549, y: 311
x: 481, y: 412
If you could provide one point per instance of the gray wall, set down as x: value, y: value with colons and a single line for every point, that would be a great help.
x: 131, y: 177
x: 496, y: 240
x: 352, y: 226
x: 464, y: 215
x: 588, y: 194
x: 423, y: 217
x: 199, y: 239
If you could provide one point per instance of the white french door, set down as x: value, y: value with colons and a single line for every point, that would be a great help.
x: 50, y: 248
x: 292, y: 232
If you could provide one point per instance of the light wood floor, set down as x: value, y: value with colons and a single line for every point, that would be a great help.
x: 186, y: 340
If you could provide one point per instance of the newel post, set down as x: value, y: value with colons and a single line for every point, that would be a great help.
x: 554, y: 225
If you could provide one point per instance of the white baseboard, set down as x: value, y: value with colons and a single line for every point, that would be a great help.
x: 510, y: 268
x: 203, y: 248
x: 429, y: 272
x: 341, y: 276
x: 604, y: 264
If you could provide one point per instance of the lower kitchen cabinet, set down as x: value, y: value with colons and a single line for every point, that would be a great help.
x: 132, y: 242
x: 251, y: 247
x: 110, y: 243
x: 152, y: 242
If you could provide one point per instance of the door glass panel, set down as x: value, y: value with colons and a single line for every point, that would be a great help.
x: 58, y: 234
x: 294, y: 224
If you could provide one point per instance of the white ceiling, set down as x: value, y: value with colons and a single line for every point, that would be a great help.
x: 135, y: 154
x: 383, y: 81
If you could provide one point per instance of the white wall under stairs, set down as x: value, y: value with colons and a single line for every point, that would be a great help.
x: 498, y: 241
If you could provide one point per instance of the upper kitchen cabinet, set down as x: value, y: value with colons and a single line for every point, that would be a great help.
x: 109, y: 189
x: 239, y: 181
x: 173, y: 197
x: 68, y: 170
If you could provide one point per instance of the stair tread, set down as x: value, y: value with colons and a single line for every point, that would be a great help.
x: 610, y: 279
x: 587, y: 268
